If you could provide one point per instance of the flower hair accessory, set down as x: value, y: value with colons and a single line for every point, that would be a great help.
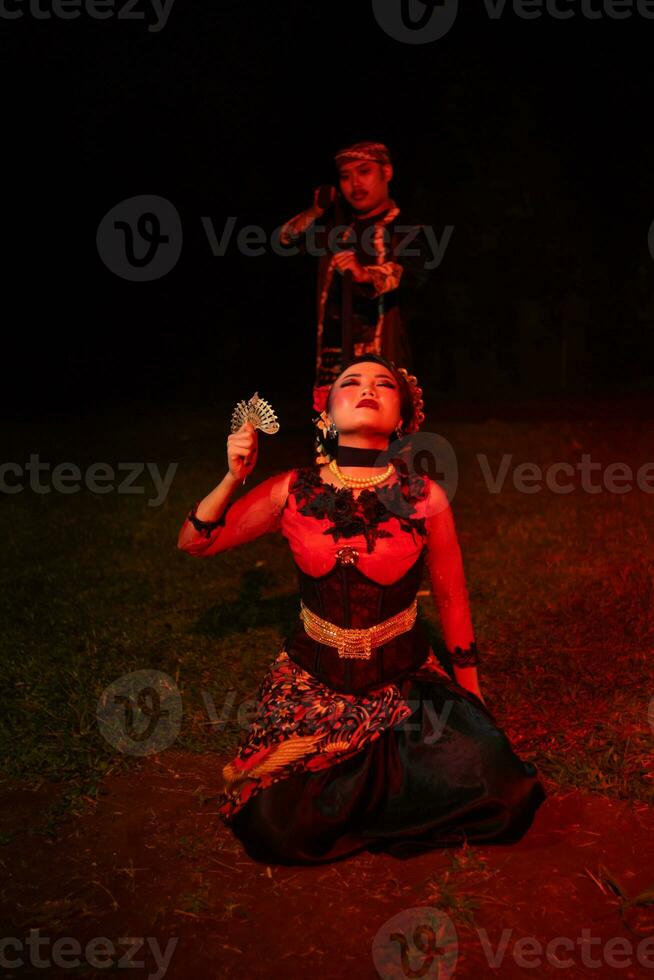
x: 320, y: 395
x: 322, y: 422
x: 258, y: 412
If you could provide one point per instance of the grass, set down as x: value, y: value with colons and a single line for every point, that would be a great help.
x: 93, y: 587
x: 463, y: 888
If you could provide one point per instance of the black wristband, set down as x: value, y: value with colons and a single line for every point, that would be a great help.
x: 468, y: 657
x: 205, y: 527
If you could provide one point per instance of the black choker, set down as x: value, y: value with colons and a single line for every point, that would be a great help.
x: 356, y: 456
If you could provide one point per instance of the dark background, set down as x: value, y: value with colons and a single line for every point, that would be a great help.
x: 532, y: 138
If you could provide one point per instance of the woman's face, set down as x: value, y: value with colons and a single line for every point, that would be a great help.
x: 365, y: 399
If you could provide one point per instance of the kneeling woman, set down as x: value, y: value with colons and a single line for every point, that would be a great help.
x: 362, y: 737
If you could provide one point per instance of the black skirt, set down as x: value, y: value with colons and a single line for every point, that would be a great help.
x: 445, y: 775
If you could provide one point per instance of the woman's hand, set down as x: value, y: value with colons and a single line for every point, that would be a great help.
x: 242, y: 448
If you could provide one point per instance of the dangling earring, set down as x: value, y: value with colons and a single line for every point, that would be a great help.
x: 332, y: 431
x: 398, y: 431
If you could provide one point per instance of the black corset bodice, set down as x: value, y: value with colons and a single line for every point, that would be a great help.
x: 349, y: 599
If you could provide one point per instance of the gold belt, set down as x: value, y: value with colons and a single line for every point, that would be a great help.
x: 357, y: 643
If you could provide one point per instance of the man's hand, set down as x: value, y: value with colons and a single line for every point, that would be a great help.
x: 322, y: 192
x: 348, y: 260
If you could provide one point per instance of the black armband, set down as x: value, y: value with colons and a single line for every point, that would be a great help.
x: 465, y: 658
x: 205, y: 527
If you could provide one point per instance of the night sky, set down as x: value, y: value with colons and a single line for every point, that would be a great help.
x: 532, y: 138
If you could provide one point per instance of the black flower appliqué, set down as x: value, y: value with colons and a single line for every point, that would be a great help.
x: 364, y: 514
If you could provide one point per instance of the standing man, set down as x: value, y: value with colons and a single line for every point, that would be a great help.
x: 357, y: 231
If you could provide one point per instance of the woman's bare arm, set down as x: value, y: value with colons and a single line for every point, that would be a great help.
x: 448, y: 584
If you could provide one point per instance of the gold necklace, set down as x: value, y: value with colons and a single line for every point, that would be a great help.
x: 360, y: 481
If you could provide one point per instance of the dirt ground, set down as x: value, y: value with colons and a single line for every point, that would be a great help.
x: 150, y: 867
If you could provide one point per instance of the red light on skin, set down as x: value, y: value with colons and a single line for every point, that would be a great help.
x: 364, y: 185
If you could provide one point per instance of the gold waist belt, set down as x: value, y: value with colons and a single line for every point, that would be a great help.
x: 357, y: 643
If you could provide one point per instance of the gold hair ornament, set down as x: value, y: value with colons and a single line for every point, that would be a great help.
x: 322, y: 420
x: 418, y: 404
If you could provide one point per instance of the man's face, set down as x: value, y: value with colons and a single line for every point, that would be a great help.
x: 364, y: 184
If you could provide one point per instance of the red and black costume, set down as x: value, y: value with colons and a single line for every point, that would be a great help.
x: 394, y: 251
x: 345, y: 754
